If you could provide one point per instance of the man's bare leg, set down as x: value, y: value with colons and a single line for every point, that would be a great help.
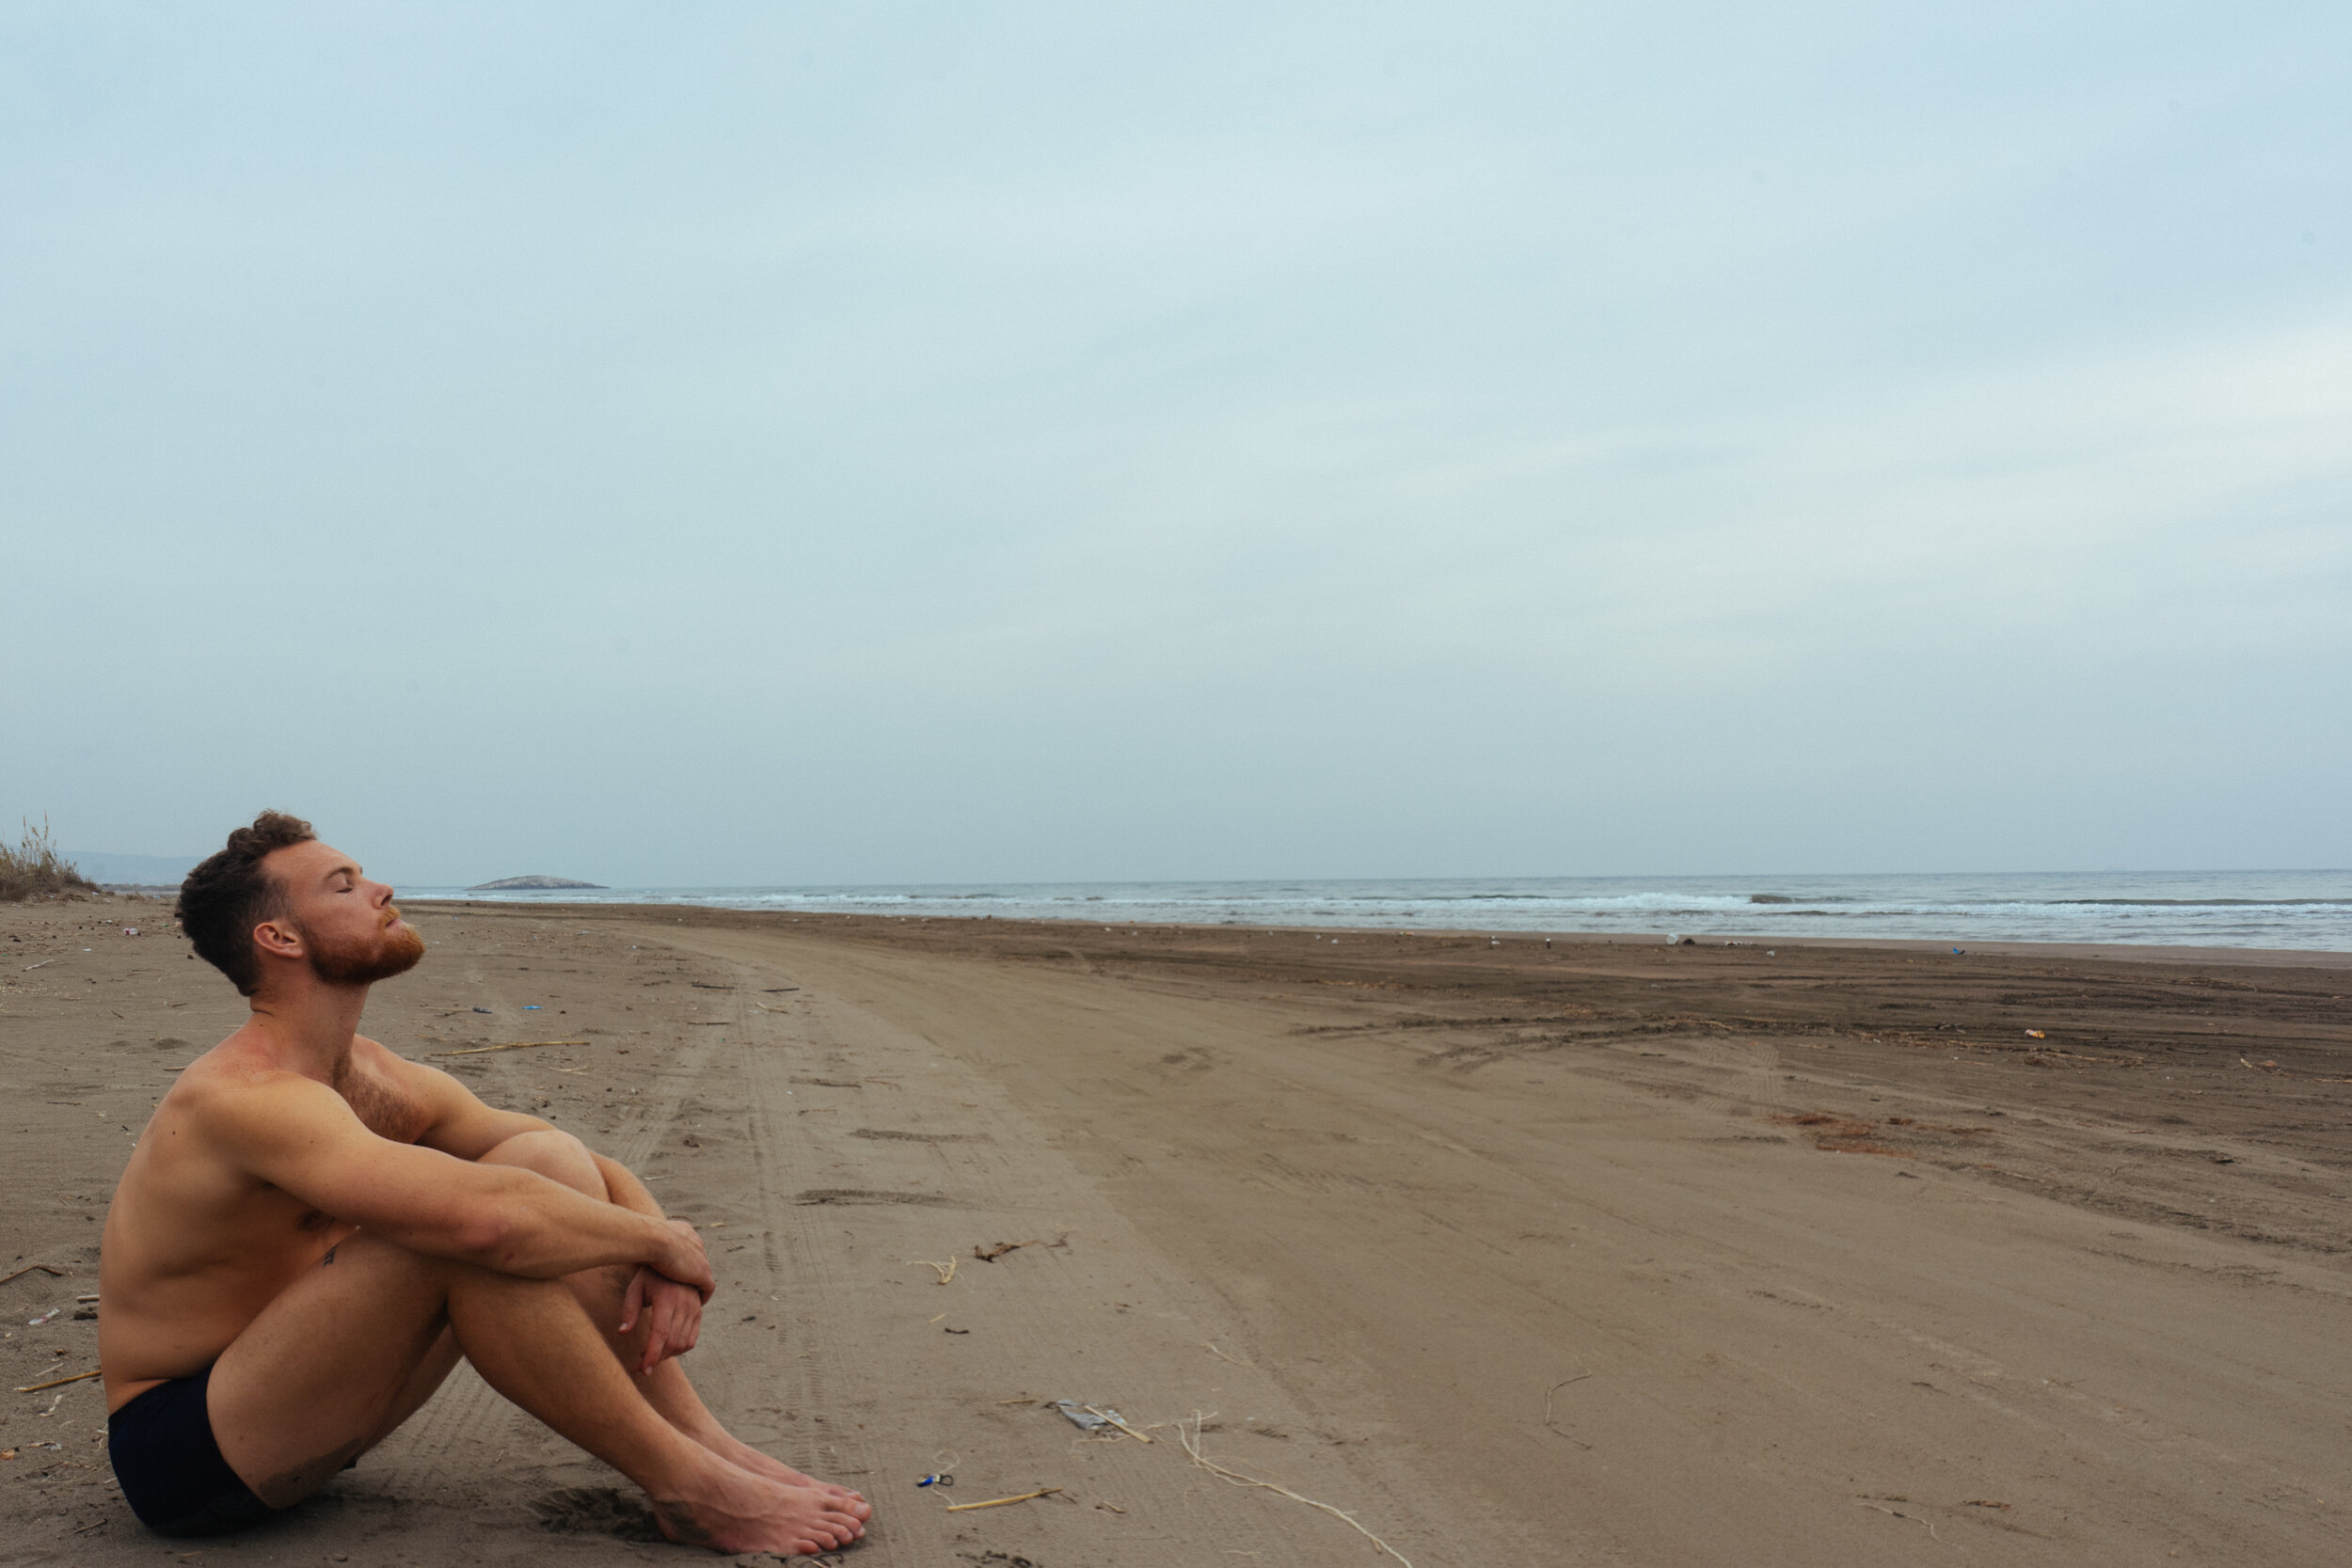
x: 561, y: 1157
x: 697, y: 1496
x: 314, y: 1379
x: 669, y: 1390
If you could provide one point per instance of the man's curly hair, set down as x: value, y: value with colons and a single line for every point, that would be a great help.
x: 228, y: 894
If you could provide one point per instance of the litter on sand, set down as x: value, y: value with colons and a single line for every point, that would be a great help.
x: 1190, y: 1438
x: 53, y: 1273
x: 54, y: 1382
x: 515, y: 1045
x: 1094, y: 1418
x: 999, y: 1502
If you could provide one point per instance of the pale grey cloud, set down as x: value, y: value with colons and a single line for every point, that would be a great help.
x: 764, y: 441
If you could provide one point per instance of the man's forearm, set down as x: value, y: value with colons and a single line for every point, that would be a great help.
x: 547, y: 1230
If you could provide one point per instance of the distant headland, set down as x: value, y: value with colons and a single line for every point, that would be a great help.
x: 511, y: 884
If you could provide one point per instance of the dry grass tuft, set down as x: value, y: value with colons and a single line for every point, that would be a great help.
x: 34, y: 869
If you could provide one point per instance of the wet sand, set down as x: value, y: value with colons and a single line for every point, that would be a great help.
x: 1608, y: 1252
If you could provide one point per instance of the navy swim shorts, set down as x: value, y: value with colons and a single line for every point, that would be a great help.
x: 171, y: 1471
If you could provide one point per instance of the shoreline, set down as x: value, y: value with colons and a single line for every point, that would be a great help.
x: 2123, y: 952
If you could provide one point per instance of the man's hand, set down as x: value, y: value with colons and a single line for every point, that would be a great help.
x: 672, y: 1307
x: 672, y: 1314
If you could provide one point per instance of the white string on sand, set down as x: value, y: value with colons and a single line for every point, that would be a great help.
x: 1190, y: 1438
x: 1913, y: 1517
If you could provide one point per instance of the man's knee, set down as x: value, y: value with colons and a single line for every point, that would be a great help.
x: 554, y: 1154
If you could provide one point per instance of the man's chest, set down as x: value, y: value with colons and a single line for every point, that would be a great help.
x: 383, y: 1108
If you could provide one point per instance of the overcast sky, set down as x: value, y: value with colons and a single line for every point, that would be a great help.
x: 787, y: 441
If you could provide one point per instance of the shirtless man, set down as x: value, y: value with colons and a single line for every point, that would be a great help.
x: 313, y: 1230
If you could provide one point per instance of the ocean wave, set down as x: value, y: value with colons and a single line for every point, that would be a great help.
x: 2286, y: 910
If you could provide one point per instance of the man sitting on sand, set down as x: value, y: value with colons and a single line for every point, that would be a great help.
x: 313, y: 1230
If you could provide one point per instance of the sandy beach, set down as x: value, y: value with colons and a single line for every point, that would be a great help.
x: 1593, y: 1252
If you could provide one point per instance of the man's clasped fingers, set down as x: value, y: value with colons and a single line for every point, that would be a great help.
x: 676, y: 1313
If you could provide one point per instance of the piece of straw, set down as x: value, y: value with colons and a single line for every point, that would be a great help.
x: 999, y: 1502
x: 54, y: 1382
x: 1112, y: 1417
x: 946, y: 1269
x: 514, y: 1045
x: 1191, y: 1440
x: 1222, y: 1356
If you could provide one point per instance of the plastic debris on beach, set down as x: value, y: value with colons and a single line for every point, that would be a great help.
x: 1086, y: 1421
x: 36, y: 1323
x: 482, y: 1009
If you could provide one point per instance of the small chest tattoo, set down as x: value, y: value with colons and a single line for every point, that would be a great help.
x: 331, y: 1253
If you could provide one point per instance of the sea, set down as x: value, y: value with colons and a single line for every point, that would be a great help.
x: 2298, y: 910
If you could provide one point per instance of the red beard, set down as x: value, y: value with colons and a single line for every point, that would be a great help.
x: 395, y: 951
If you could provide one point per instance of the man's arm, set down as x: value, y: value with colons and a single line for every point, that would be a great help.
x: 458, y: 1122
x: 300, y: 1135
x: 462, y: 1125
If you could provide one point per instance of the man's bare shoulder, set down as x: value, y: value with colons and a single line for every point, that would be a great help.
x: 239, y: 1085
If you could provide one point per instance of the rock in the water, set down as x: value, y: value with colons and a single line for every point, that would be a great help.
x: 510, y: 884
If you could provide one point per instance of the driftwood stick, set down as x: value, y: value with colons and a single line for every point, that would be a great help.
x: 999, y: 1502
x: 54, y: 1382
x: 514, y: 1045
x: 53, y: 1273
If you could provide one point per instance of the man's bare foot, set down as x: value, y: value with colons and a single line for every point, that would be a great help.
x: 729, y: 1510
x: 744, y: 1457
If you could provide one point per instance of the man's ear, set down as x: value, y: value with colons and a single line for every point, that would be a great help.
x: 278, y: 939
